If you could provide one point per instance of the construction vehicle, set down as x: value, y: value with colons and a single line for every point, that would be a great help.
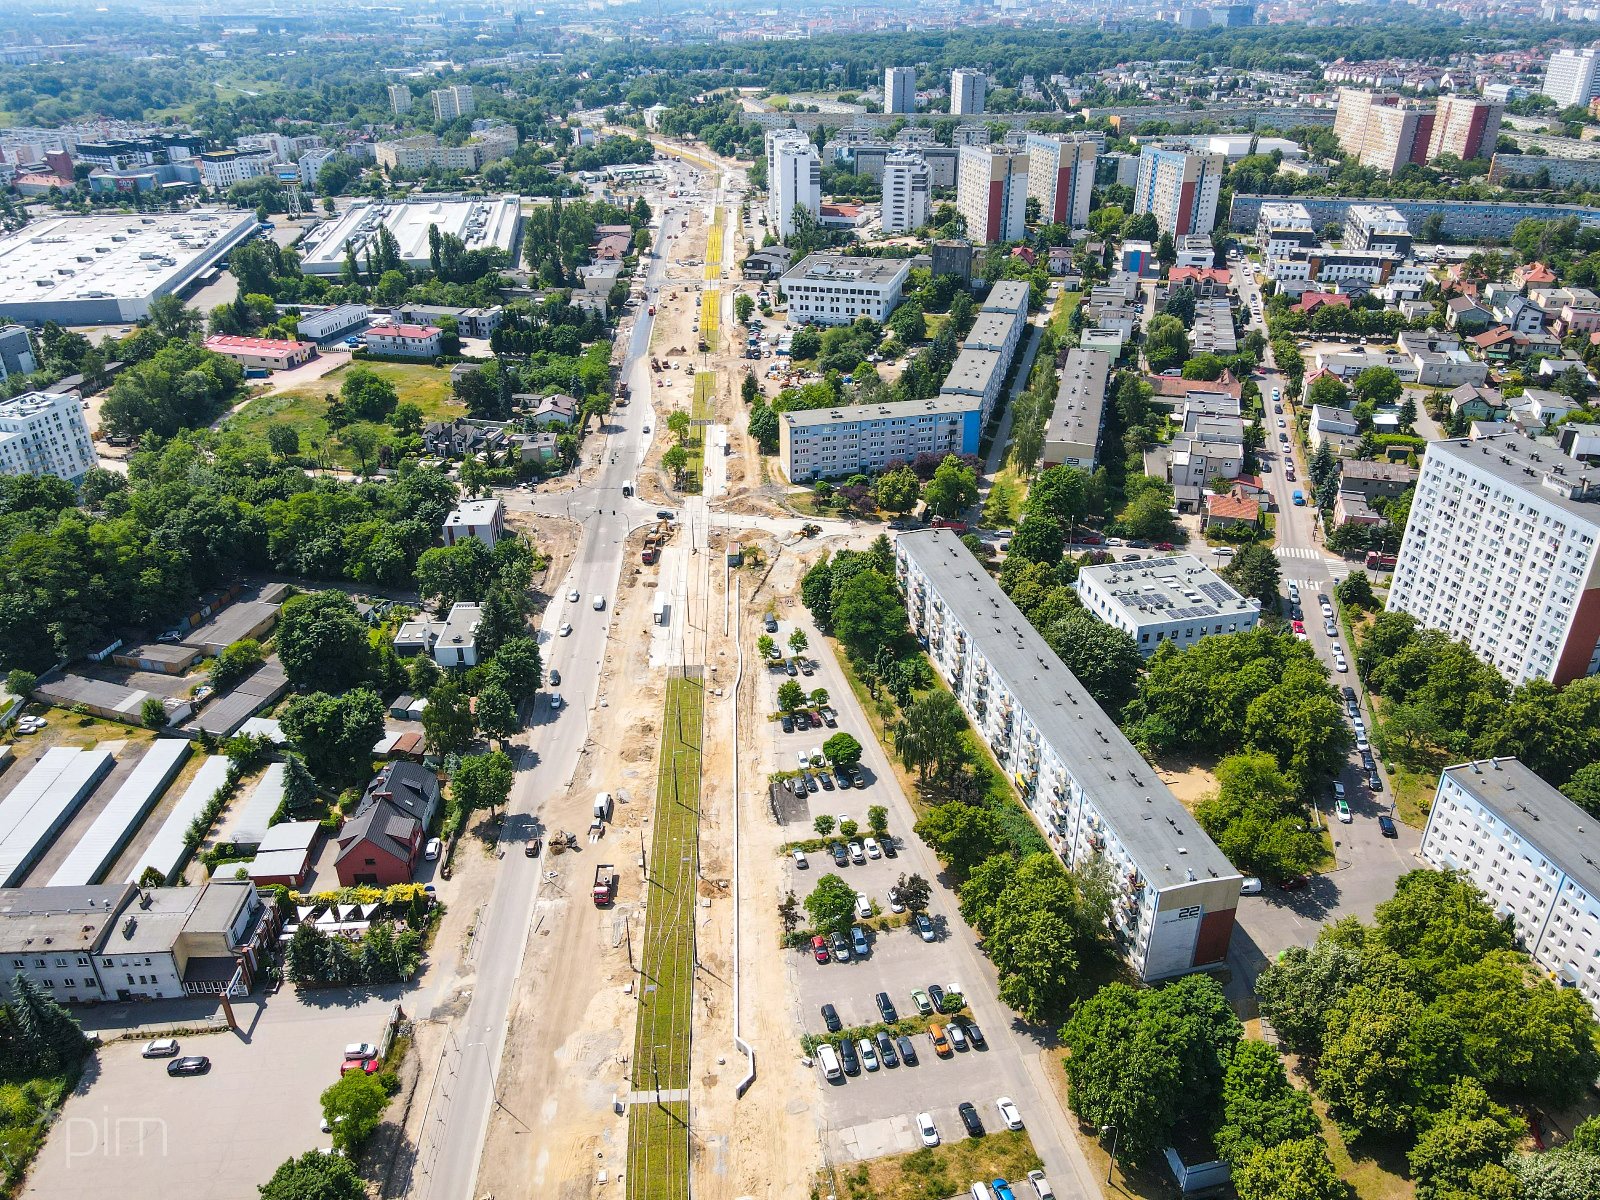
x: 654, y: 540
x: 655, y: 363
x: 810, y: 530
x: 605, y: 884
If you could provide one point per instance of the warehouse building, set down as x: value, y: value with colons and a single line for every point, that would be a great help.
x: 105, y: 270
x: 482, y: 223
x: 1091, y: 792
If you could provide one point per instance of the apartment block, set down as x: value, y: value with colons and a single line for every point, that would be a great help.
x: 794, y: 180
x: 452, y: 102
x: 1573, y: 77
x: 899, y: 89
x: 1175, y: 600
x: 1465, y: 127
x: 1377, y: 227
x: 827, y: 442
x: 1072, y: 436
x: 17, y: 356
x: 425, y: 150
x: 1500, y: 552
x: 1379, y: 131
x: 1092, y: 794
x: 968, y: 90
x: 1527, y: 846
x: 400, y: 98
x: 907, y: 189
x: 1180, y: 187
x: 1282, y: 228
x: 992, y: 193
x: 44, y: 433
x: 834, y: 289
x: 224, y: 168
x: 1061, y: 177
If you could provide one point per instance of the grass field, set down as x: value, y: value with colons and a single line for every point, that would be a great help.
x: 1062, y: 313
x: 705, y: 390
x: 945, y: 1170
x: 305, y: 409
x: 658, y: 1131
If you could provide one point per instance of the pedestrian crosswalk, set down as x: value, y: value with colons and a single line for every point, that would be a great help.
x: 1310, y: 552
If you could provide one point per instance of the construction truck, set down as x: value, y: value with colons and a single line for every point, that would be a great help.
x: 605, y: 884
x: 654, y: 540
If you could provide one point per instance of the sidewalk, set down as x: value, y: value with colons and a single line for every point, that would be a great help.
x: 1002, y: 434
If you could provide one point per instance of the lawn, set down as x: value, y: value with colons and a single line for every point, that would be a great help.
x: 1062, y: 313
x: 658, y: 1130
x: 26, y: 1107
x: 945, y: 1170
x: 305, y: 409
x: 700, y: 410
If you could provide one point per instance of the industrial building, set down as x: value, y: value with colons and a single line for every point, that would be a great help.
x: 105, y: 270
x: 39, y: 807
x: 100, y: 844
x: 1091, y: 792
x: 1175, y: 599
x: 490, y: 222
x: 1530, y: 849
x: 169, y: 849
x: 261, y: 354
x: 826, y: 442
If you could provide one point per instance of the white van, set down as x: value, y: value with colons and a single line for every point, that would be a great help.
x: 980, y: 1191
x: 602, y: 806
x: 432, y: 850
x: 829, y: 1058
x: 599, y: 603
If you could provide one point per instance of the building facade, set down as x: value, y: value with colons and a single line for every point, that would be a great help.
x: 17, y: 356
x: 968, y: 90
x: 1377, y: 227
x: 1573, y: 77
x: 44, y: 433
x: 400, y: 98
x: 261, y: 354
x: 1500, y: 552
x: 452, y: 102
x: 794, y: 180
x: 824, y: 443
x: 1380, y: 131
x: 484, y: 520
x: 835, y: 289
x: 1524, y: 844
x: 1180, y: 187
x: 992, y: 193
x: 907, y: 192
x: 1061, y: 171
x: 1175, y: 599
x: 405, y: 341
x: 899, y: 89
x: 1092, y: 794
x: 224, y: 168
x: 1465, y: 127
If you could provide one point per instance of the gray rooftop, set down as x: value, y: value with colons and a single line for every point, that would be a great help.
x: 1081, y: 398
x: 1009, y: 295
x: 1539, y: 814
x: 972, y: 372
x: 932, y: 407
x: 841, y: 268
x: 461, y: 626
x: 991, y: 330
x: 1521, y: 463
x: 58, y: 918
x: 1145, y: 816
x: 1174, y: 588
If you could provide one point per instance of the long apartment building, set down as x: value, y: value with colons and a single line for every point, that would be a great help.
x: 1091, y: 792
x: 1381, y: 131
x: 794, y: 180
x: 992, y: 193
x: 1072, y: 437
x: 1061, y: 170
x: 1529, y: 848
x: 853, y: 439
x: 1180, y: 187
x: 1500, y: 552
x: 980, y: 370
x: 907, y: 192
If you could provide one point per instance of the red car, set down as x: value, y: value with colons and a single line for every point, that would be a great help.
x: 1165, y: 546
x: 1299, y: 626
x: 1294, y: 883
x: 819, y: 948
x: 370, y: 1065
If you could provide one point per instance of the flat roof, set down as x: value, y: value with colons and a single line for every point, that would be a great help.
x: 991, y: 330
x: 129, y: 256
x: 1537, y: 812
x: 1009, y: 295
x: 1146, y: 817
x: 1178, y: 587
x: 482, y: 223
x: 933, y: 406
x: 1521, y: 464
x: 1080, y: 400
x: 461, y: 626
x: 60, y: 918
x: 972, y: 371
x: 844, y: 269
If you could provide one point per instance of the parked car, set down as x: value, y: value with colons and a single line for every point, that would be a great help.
x: 869, y: 1055
x: 975, y: 1035
x: 957, y: 1036
x: 857, y: 854
x: 969, y: 1118
x: 847, y: 1055
x: 908, y: 1052
x: 161, y: 1048
x: 830, y: 1019
x: 858, y: 940
x: 840, y: 945
x: 872, y: 848
x: 1375, y: 781
x: 886, y: 1008
x: 1002, y: 1189
x: 786, y: 723
x: 1041, y: 1185
x: 920, y: 999
x: 800, y: 859
x: 895, y: 904
x: 1342, y: 807
x: 936, y: 994
x: 863, y: 905
x: 941, y: 1044
x: 194, y: 1064
x: 928, y: 1130
x: 362, y: 1050
x: 1250, y: 887
x: 886, y: 1054
x: 924, y: 927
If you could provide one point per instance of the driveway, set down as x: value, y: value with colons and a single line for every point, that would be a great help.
x: 134, y: 1132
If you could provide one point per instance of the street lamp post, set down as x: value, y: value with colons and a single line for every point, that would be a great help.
x: 1112, y: 1165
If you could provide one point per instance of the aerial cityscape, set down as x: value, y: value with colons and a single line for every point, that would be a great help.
x: 1041, y: 563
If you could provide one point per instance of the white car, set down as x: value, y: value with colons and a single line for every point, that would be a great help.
x: 872, y: 848
x: 803, y: 758
x: 1041, y: 1185
x: 572, y: 596
x: 869, y: 1055
x: 1361, y: 741
x: 1009, y: 1113
x: 800, y: 859
x: 928, y: 1130
x: 555, y: 701
x: 566, y: 629
x: 863, y: 906
x: 361, y: 1051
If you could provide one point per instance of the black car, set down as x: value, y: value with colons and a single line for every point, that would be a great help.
x: 908, y: 1052
x: 847, y: 1056
x: 772, y: 624
x: 802, y: 722
x: 886, y: 1053
x: 1367, y: 761
x: 786, y: 722
x: 194, y: 1064
x: 830, y: 1018
x: 1349, y: 692
x: 969, y: 1118
x: 975, y: 1034
x: 1386, y: 826
x: 886, y: 1007
x: 841, y: 856
x: 888, y: 848
x: 826, y: 780
x: 936, y: 994
x: 1375, y: 781
x: 790, y: 669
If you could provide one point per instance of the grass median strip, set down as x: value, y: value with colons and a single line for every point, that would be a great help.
x: 658, y: 1127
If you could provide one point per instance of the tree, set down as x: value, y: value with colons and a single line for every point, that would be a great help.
x: 1061, y: 492
x: 824, y: 825
x: 1103, y: 658
x: 336, y: 733
x: 743, y: 308
x: 235, y: 662
x: 831, y: 905
x: 20, y: 682
x: 503, y: 617
x: 448, y: 575
x: 482, y: 781
x: 798, y: 641
x: 362, y: 441
x: 366, y: 396
x: 322, y: 642
x: 676, y: 460
x: 1367, y: 1072
x: 1259, y: 1106
x: 928, y: 738
x: 1040, y: 538
x: 766, y: 646
x: 908, y: 324
x: 315, y: 1176
x: 1166, y: 249
x: 1570, y: 1175
x: 962, y: 835
x: 283, y: 440
x: 679, y: 425
x: 49, y: 1033
x: 519, y: 663
x: 1205, y: 367
x: 1295, y: 1170
x: 1377, y: 385
x: 897, y: 491
x: 1355, y: 591
x: 1460, y: 1150
x: 1255, y: 572
x: 1166, y: 343
x: 1583, y: 789
x: 496, y: 714
x: 791, y: 695
x: 789, y: 912
x: 878, y: 820
x: 447, y: 721
x: 868, y: 614
x: 915, y: 892
x: 842, y: 749
x: 171, y: 318
x: 353, y: 1107
x: 152, y: 713
x: 953, y: 488
x: 1329, y: 391
x: 300, y: 794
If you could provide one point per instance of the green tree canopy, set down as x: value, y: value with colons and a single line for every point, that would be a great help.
x: 335, y: 734
x: 322, y: 642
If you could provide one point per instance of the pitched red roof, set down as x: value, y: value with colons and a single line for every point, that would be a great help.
x: 1229, y: 506
x: 1220, y: 275
x: 1493, y: 337
x: 1537, y: 272
x: 1310, y: 301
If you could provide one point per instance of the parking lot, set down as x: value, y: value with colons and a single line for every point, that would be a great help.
x: 132, y: 1131
x: 873, y: 1112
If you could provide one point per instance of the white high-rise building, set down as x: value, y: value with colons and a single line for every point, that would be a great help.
x: 992, y: 193
x: 1061, y: 177
x: 400, y: 98
x: 899, y: 89
x: 1573, y: 77
x: 794, y: 179
x: 906, y: 193
x: 1500, y: 552
x: 1180, y: 187
x: 968, y: 89
x: 452, y: 102
x: 44, y: 433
